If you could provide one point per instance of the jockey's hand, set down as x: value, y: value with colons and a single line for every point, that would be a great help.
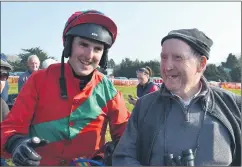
x: 23, y: 153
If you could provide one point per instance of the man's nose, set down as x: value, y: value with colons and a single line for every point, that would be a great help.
x: 169, y: 64
x: 90, y: 52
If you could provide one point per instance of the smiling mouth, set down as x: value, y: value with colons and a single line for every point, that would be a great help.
x: 172, y: 76
x: 85, y: 62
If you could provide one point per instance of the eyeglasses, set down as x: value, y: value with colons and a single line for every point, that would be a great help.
x: 4, y: 76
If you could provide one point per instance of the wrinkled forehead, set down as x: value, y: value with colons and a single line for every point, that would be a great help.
x: 175, y: 46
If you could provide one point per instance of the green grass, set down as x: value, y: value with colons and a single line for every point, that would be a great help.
x: 236, y: 91
x: 126, y: 90
x: 13, y: 88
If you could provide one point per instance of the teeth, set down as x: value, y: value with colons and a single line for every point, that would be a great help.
x: 170, y: 77
x: 85, y: 62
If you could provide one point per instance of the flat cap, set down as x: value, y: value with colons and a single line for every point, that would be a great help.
x: 193, y: 37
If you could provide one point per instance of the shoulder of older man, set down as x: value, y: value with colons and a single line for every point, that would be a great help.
x: 223, y: 92
x: 149, y: 98
x: 145, y: 102
x: 230, y: 99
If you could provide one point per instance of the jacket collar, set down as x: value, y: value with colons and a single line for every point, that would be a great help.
x: 207, y: 99
x: 72, y: 80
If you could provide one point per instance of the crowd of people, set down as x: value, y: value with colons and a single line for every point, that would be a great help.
x: 62, y: 111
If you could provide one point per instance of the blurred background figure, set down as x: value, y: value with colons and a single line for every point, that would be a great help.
x: 4, y: 92
x: 33, y: 64
x: 145, y: 86
x: 5, y: 68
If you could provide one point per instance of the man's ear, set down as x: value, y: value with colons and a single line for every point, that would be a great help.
x: 202, y: 64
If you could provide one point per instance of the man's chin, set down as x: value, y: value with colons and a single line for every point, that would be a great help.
x: 84, y: 72
x: 171, y: 87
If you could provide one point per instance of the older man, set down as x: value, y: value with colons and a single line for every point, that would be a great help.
x: 188, y: 122
x: 4, y: 71
x: 33, y: 64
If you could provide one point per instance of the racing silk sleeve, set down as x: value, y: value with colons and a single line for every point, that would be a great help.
x: 118, y: 116
x: 19, y: 118
x: 125, y: 153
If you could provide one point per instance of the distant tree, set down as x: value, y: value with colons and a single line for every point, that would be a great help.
x: 231, y: 62
x: 111, y: 63
x: 212, y: 73
x: 236, y: 74
x: 127, y: 68
x: 223, y: 75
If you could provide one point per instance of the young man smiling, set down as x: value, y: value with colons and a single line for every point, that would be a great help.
x: 187, y: 122
x: 62, y: 112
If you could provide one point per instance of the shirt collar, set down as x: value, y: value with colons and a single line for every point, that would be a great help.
x: 187, y: 102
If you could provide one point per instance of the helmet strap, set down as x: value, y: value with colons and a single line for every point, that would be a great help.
x: 62, y: 80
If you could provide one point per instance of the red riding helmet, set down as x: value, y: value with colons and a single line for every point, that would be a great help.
x: 91, y: 24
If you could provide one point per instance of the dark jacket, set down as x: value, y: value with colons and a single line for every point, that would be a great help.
x: 147, y: 88
x: 4, y: 109
x: 4, y: 94
x: 220, y: 104
x: 22, y: 79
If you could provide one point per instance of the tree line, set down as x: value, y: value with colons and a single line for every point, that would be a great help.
x: 228, y: 71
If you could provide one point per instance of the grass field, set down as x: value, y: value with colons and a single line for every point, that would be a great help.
x: 126, y: 90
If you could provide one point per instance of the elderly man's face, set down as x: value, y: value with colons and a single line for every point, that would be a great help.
x: 180, y: 68
x: 33, y: 64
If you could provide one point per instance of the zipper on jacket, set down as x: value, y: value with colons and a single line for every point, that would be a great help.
x: 186, y: 109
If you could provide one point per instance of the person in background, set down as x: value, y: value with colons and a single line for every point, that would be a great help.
x: 145, y: 86
x: 5, y: 68
x: 4, y: 93
x: 33, y: 64
x: 47, y: 62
